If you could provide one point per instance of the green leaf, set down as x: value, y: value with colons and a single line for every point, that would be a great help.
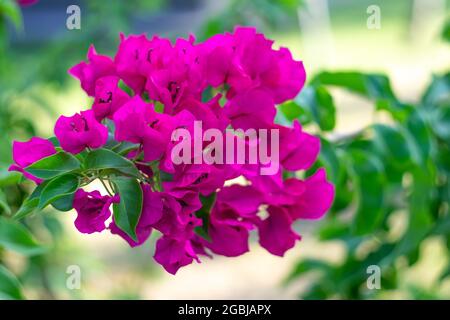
x: 446, y: 31
x: 128, y: 211
x: 4, y: 203
x: 30, y: 203
x: 438, y: 92
x: 369, y: 85
x: 204, y: 213
x: 54, y: 165
x: 291, y: 110
x: 420, y: 141
x: 372, y: 86
x: 330, y: 159
x: 14, y: 236
x: 319, y: 103
x: 441, y: 123
x: 445, y: 273
x: 64, y: 203
x: 369, y: 180
x: 11, y: 9
x: 125, y: 147
x: 102, y: 159
x: 10, y: 288
x: 420, y: 221
x: 58, y: 188
x: 8, y: 178
x: 392, y: 143
x: 307, y: 265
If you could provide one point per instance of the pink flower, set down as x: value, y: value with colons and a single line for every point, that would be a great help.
x: 26, y: 3
x: 312, y: 197
x: 201, y: 177
x: 176, y: 222
x: 137, y: 56
x: 108, y: 97
x: 188, y: 199
x: 275, y: 232
x: 229, y: 235
x: 88, y: 73
x: 93, y: 210
x: 80, y: 131
x: 137, y: 122
x: 230, y: 81
x: 298, y: 149
x: 27, y: 153
x: 173, y: 254
x: 243, y: 199
x: 257, y: 65
x: 210, y: 113
x: 218, y: 56
x: 251, y: 109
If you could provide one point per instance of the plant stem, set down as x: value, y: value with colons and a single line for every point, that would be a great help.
x: 106, y: 188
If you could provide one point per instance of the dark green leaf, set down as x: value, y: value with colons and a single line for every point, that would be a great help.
x: 128, y: 211
x: 393, y: 145
x: 55, y: 165
x: 441, y: 123
x: 30, y: 203
x: 64, y: 203
x: 204, y: 213
x: 438, y: 92
x: 419, y: 138
x: 102, y: 159
x: 330, y: 159
x: 319, y: 103
x: 369, y: 183
x: 58, y: 188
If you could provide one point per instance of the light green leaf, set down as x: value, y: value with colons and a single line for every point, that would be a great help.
x: 11, y: 9
x: 14, y: 236
x: 8, y: 178
x: 10, y: 288
x: 4, y: 203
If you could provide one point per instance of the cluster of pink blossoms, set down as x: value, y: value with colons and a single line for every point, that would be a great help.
x: 250, y: 78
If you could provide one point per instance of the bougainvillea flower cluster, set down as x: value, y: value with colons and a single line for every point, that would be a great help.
x: 149, y: 89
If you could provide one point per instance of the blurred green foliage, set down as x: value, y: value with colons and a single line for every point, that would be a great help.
x: 380, y: 171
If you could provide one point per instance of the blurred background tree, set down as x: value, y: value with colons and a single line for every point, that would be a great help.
x: 385, y: 138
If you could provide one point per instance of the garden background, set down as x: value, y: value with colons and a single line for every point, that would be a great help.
x: 377, y: 95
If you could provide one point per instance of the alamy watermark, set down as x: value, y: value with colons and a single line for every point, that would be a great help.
x: 232, y: 147
x: 374, y: 279
x: 73, y: 281
x: 374, y: 18
x: 73, y: 21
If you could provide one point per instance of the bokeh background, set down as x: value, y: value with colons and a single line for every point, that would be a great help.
x: 410, y: 48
